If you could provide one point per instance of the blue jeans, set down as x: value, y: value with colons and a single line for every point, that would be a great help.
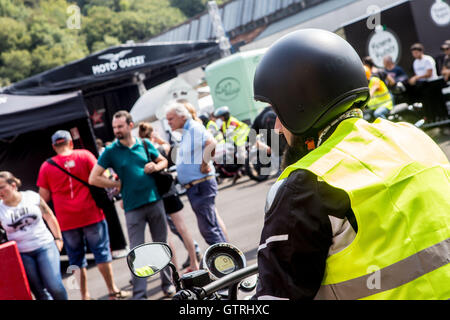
x: 202, y: 198
x: 42, y: 267
x: 97, y: 237
x: 381, y: 112
x: 154, y: 215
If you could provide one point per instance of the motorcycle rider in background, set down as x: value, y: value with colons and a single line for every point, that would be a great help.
x: 235, y: 131
x: 380, y: 102
x: 212, y: 127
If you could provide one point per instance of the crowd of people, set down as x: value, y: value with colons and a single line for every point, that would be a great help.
x: 124, y: 166
x: 383, y: 81
x: 41, y: 234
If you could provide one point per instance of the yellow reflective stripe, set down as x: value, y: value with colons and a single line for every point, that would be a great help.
x: 382, y: 95
x: 388, y: 104
x: 381, y: 100
x: 390, y: 277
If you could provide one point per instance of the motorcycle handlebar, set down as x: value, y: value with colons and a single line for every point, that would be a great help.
x: 227, y: 280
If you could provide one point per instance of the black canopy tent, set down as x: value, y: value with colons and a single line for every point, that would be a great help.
x: 110, y: 79
x: 21, y: 114
x: 26, y: 126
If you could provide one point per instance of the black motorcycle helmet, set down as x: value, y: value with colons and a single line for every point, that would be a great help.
x: 310, y: 77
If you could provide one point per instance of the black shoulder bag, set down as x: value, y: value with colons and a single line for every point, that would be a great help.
x: 99, y: 195
x: 163, y: 179
x: 3, y: 236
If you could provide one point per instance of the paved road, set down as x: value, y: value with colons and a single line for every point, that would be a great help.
x: 241, y: 207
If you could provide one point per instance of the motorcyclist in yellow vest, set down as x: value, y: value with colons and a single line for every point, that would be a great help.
x: 362, y: 210
x: 380, y: 102
x: 145, y: 271
x: 233, y: 130
x: 212, y: 127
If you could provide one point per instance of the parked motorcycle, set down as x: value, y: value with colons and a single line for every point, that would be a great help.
x: 403, y: 112
x: 412, y: 113
x: 225, y: 162
x: 223, y: 274
x: 426, y: 103
x: 257, y: 164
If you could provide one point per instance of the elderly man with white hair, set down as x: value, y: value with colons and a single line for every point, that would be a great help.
x: 195, y: 170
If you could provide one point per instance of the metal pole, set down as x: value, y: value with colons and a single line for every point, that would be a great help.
x: 219, y: 30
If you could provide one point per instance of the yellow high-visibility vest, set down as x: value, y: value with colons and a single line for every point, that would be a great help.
x: 212, y: 127
x: 381, y: 97
x: 239, y: 132
x: 398, y: 183
x: 145, y: 271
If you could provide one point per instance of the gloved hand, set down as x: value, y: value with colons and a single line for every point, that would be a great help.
x: 185, y: 295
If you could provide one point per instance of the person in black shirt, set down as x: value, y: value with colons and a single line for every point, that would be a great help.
x: 445, y: 70
x: 396, y: 72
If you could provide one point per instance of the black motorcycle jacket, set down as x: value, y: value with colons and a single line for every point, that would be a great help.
x: 306, y: 220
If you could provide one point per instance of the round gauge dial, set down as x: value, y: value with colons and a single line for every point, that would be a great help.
x: 224, y: 264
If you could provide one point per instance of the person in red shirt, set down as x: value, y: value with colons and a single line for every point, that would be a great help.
x: 80, y: 219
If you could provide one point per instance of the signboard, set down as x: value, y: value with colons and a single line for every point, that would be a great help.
x: 432, y: 21
x: 117, y: 61
x: 398, y: 27
x: 382, y: 43
x: 440, y: 13
x: 227, y: 89
x: 231, y: 83
x: 392, y: 35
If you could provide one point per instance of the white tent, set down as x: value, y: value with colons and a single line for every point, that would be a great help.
x: 150, y: 106
x: 205, y: 105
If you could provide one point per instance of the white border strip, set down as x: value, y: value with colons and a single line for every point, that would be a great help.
x: 282, y: 237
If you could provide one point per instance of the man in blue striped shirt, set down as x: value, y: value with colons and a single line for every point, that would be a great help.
x: 195, y: 170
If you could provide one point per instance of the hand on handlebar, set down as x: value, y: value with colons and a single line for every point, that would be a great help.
x: 185, y: 295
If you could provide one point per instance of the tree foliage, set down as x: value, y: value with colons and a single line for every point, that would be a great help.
x: 16, y: 65
x: 36, y: 35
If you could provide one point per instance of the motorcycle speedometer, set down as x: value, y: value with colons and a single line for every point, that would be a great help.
x: 224, y: 263
x: 221, y: 259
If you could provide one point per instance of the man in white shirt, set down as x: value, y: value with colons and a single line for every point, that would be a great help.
x: 424, y: 65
